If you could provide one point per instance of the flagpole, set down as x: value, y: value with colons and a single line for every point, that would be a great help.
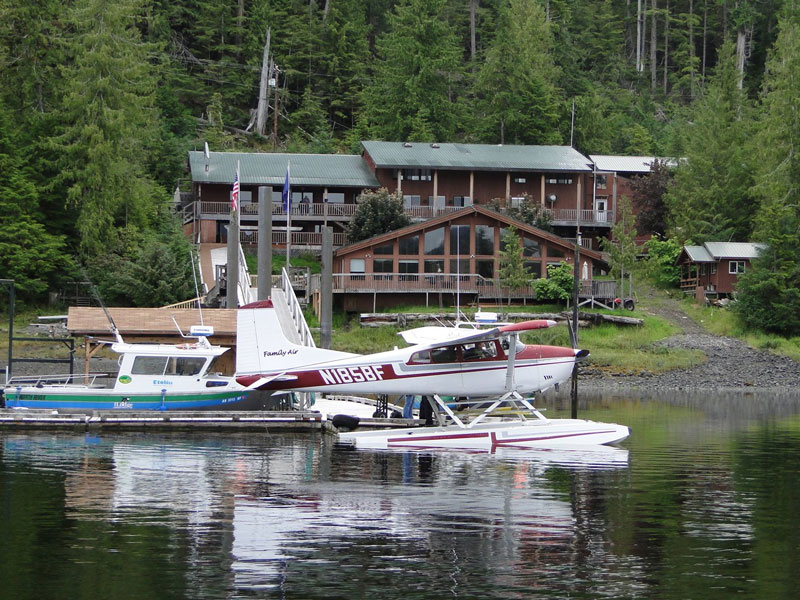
x: 288, y: 206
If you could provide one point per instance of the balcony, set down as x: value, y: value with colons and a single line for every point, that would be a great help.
x: 565, y: 217
x: 423, y: 282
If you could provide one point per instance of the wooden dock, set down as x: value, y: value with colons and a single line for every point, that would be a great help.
x: 264, y: 421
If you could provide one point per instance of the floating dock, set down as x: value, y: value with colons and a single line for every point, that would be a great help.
x: 264, y: 421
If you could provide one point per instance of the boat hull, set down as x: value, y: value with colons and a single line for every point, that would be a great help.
x: 91, y: 399
x: 534, y: 433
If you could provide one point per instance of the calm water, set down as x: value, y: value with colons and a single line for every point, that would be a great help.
x: 703, y: 501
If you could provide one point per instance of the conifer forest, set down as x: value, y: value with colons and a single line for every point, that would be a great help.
x: 101, y: 99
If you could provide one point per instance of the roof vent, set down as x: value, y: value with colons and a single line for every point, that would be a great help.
x: 406, y: 145
x: 434, y: 145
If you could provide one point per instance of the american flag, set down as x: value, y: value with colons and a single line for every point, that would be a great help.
x: 235, y: 190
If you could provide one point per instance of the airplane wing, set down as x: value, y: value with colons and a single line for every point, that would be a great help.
x: 433, y: 336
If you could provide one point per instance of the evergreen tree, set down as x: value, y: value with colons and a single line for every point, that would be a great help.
x: 622, y: 250
x: 711, y: 198
x: 769, y: 293
x: 519, y: 101
x: 415, y: 89
x: 32, y: 257
x: 377, y: 212
x: 512, y: 271
x: 107, y: 121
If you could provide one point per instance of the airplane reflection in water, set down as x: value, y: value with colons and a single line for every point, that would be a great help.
x: 260, y: 506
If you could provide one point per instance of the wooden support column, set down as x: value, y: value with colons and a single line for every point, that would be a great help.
x: 508, y: 188
x: 400, y: 180
x: 472, y: 187
x: 542, y: 190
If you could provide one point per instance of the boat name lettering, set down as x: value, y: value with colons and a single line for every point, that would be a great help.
x: 352, y: 374
x: 280, y: 352
x: 123, y: 404
x: 162, y: 382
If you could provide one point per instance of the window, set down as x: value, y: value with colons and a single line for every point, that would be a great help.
x: 460, y: 266
x: 534, y: 269
x: 434, y: 266
x: 558, y: 179
x: 384, y: 249
x: 485, y: 268
x: 409, y: 245
x: 411, y: 200
x: 438, y: 201
x: 520, y: 180
x: 602, y: 182
x: 383, y: 265
x: 149, y: 365
x: 434, y: 241
x: 422, y: 357
x: 713, y: 268
x: 357, y: 265
x: 553, y: 252
x: 185, y: 366
x: 447, y: 354
x: 735, y: 267
x: 408, y: 270
x: 335, y: 198
x: 530, y: 247
x: 462, y: 201
x: 517, y: 201
x: 459, y: 239
x: 417, y: 174
x: 479, y: 351
x: 484, y: 240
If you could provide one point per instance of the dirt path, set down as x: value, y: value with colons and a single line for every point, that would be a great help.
x: 730, y: 363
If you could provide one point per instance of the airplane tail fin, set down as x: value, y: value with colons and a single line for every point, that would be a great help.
x: 262, y: 347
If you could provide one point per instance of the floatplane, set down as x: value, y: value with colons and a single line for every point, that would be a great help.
x: 491, y: 370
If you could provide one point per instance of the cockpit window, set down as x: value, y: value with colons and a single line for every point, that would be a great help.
x: 185, y: 365
x: 479, y: 351
x: 447, y: 354
x: 423, y: 357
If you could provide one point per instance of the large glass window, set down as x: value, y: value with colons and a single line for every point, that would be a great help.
x: 459, y: 239
x: 484, y: 240
x: 384, y: 249
x: 335, y: 198
x: 408, y: 270
x: 553, y: 252
x: 531, y: 247
x: 434, y: 266
x: 382, y: 265
x: 410, y: 200
x: 485, y: 268
x: 409, y: 245
x: 434, y: 241
x: 534, y: 268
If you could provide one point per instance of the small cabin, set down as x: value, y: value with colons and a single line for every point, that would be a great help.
x: 713, y: 269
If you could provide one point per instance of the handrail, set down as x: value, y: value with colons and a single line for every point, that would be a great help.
x: 67, y: 379
x: 186, y: 303
x: 296, y: 311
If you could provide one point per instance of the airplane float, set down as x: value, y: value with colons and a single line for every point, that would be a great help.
x: 490, y: 367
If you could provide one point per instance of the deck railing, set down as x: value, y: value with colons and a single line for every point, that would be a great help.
x: 424, y: 282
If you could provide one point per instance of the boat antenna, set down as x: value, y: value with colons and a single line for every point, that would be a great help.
x: 196, y: 289
x: 96, y: 294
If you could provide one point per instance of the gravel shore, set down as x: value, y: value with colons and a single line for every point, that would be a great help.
x: 731, y: 365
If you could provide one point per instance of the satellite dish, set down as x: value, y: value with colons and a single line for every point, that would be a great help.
x: 551, y: 198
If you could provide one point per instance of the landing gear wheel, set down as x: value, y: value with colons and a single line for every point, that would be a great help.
x: 629, y: 305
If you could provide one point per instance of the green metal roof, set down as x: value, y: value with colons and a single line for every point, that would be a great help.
x: 476, y: 156
x: 328, y: 170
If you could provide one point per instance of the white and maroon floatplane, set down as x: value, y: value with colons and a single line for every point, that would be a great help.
x: 489, y: 371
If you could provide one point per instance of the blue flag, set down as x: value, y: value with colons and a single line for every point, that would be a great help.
x: 287, y: 193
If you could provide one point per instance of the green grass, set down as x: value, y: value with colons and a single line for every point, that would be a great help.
x: 614, y: 348
x: 279, y: 261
